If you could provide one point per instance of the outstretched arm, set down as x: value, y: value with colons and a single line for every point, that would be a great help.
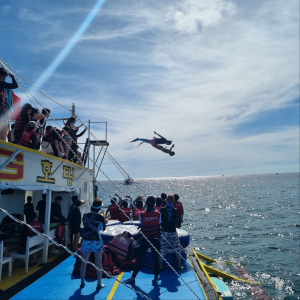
x: 158, y: 134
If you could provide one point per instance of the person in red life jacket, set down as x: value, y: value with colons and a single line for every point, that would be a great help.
x: 178, y: 205
x: 168, y: 231
x: 163, y: 197
x: 124, y: 213
x: 92, y: 241
x: 137, y: 210
x: 5, y: 100
x: 75, y: 221
x: 29, y: 136
x: 11, y: 134
x: 52, y: 143
x: 28, y: 232
x: 113, y: 210
x: 158, y: 203
x: 22, y: 120
x: 150, y: 228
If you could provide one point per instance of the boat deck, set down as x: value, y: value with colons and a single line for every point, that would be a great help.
x: 59, y: 283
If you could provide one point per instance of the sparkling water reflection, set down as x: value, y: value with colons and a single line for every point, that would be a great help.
x: 252, y: 220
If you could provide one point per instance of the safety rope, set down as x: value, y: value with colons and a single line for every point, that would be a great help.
x: 70, y: 252
x: 98, y: 169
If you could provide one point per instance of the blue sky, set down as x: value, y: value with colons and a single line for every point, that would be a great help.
x: 220, y: 78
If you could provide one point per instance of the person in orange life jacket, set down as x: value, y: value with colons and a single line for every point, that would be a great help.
x: 11, y: 134
x: 75, y: 221
x: 92, y: 241
x: 137, y: 210
x: 41, y: 208
x: 29, y: 209
x: 163, y: 197
x: 158, y: 203
x: 4, y: 105
x: 22, y: 120
x: 113, y: 210
x: 28, y: 232
x: 125, y: 213
x: 29, y: 136
x: 168, y: 231
x: 150, y: 223
x: 177, y: 204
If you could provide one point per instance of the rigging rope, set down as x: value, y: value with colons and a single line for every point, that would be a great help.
x: 112, y: 159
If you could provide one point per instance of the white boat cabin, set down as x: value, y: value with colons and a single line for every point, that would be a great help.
x: 25, y: 172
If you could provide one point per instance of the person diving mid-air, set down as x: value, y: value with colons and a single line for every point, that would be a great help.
x: 156, y: 143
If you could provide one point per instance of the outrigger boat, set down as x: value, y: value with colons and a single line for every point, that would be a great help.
x: 28, y: 172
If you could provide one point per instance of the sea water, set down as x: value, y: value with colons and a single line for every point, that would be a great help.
x: 252, y: 220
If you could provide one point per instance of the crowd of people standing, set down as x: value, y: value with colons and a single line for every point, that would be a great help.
x: 30, y: 128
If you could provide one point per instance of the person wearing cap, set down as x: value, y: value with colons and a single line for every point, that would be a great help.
x: 168, y: 231
x: 75, y: 221
x: 92, y: 241
x: 29, y: 136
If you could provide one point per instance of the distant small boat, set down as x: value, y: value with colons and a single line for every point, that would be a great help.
x: 128, y: 181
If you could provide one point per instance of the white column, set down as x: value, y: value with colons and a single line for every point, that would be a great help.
x: 47, y: 226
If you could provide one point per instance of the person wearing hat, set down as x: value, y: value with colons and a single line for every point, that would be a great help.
x: 92, y: 241
x: 75, y: 221
x: 29, y: 136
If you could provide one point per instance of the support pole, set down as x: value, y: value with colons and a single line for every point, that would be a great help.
x: 47, y: 226
x: 88, y: 149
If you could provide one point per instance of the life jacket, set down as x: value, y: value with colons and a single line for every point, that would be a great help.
x: 114, y: 211
x: 19, y: 123
x: 179, y: 206
x: 157, y: 207
x: 136, y: 213
x: 121, y: 246
x: 109, y: 262
x: 122, y: 216
x: 90, y: 270
x: 36, y: 225
x: 25, y: 138
x: 150, y: 226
